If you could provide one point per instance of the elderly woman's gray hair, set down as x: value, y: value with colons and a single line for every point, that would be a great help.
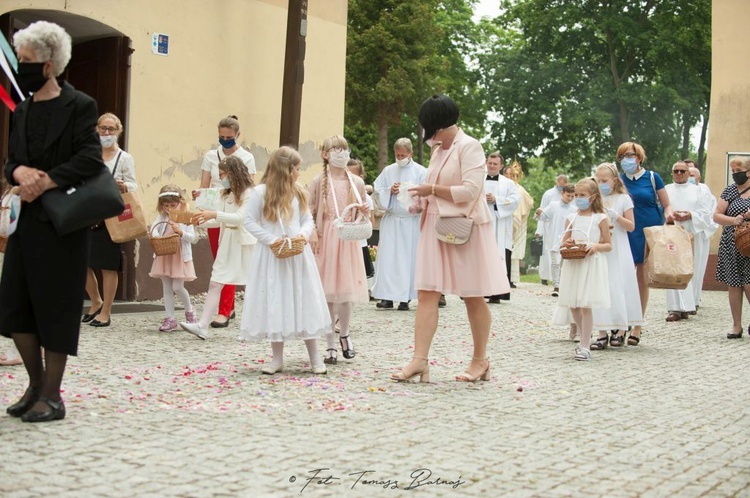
x: 48, y: 41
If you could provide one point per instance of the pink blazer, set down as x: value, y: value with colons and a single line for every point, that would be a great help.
x: 462, y: 167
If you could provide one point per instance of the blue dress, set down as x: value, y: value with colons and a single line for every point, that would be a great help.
x: 645, y: 210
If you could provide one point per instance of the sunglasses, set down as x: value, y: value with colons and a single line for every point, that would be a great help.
x: 679, y: 171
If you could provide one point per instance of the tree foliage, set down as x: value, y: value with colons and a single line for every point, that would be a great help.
x: 572, y: 79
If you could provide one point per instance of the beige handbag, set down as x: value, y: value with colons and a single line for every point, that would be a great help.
x: 455, y: 229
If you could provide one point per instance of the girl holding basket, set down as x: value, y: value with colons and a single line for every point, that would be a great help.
x: 339, y: 261
x: 288, y: 300
x: 177, y: 268
x: 584, y: 282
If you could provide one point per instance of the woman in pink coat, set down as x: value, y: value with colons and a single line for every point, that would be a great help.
x: 454, y: 186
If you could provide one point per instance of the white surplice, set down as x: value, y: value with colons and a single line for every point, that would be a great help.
x: 688, y: 197
x: 702, y: 246
x: 506, y: 201
x: 399, y: 235
x: 545, y: 269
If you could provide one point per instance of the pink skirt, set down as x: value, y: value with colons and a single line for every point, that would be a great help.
x: 467, y: 270
x: 341, y: 267
x: 173, y: 266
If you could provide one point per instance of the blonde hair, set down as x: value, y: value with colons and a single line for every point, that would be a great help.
x: 592, y: 187
x: 359, y: 165
x: 109, y: 115
x: 639, y: 151
x: 610, y: 168
x: 334, y: 141
x: 163, y: 199
x: 239, y: 178
x: 280, y: 185
x: 738, y: 161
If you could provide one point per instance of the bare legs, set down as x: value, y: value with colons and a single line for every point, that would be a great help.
x: 735, y: 306
x: 480, y: 320
x: 45, y: 374
x: 109, y: 288
x: 640, y: 272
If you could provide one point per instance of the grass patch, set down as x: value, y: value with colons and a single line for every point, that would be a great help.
x: 531, y: 278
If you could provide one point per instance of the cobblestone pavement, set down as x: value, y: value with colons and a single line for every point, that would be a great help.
x: 166, y: 414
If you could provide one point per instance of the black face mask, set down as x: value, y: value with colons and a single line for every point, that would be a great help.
x: 740, y: 177
x: 31, y: 76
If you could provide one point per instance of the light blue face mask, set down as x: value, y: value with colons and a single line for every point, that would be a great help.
x: 629, y: 165
x: 605, y: 188
x: 225, y: 183
x: 692, y: 181
x: 582, y: 203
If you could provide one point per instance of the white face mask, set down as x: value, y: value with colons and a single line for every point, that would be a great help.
x: 338, y: 159
x: 107, y: 141
x: 403, y: 162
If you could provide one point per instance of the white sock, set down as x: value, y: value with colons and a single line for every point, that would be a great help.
x: 277, y: 348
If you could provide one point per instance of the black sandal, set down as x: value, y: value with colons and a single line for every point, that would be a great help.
x: 600, y: 343
x: 633, y: 340
x: 331, y: 358
x: 735, y: 336
x: 348, y: 350
x: 617, y: 340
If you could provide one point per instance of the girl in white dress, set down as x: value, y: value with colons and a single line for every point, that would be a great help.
x: 625, y: 302
x: 235, y: 243
x: 284, y: 297
x: 583, y: 282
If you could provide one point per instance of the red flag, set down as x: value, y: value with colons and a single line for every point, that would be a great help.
x: 7, y: 100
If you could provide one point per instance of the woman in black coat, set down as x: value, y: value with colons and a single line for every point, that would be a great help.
x: 53, y: 144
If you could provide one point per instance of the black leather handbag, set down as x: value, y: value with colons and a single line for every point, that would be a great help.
x: 91, y: 201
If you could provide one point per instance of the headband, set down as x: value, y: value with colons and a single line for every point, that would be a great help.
x: 170, y: 194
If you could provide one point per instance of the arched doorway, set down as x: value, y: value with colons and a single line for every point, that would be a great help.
x: 100, y: 67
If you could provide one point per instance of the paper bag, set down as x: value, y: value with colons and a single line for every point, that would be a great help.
x: 131, y: 224
x: 209, y: 199
x: 669, y: 257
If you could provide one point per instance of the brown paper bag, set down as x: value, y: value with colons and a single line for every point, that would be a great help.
x: 669, y: 257
x: 131, y: 224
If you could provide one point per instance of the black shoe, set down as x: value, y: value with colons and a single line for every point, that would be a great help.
x: 504, y: 297
x: 97, y: 323
x: 544, y: 282
x: 494, y: 300
x: 331, y: 358
x: 56, y: 412
x: 348, y: 350
x: 441, y: 302
x: 221, y: 325
x: 232, y: 316
x: 513, y: 286
x: 735, y: 336
x: 87, y: 318
x: 403, y: 306
x: 28, y: 399
x: 383, y: 304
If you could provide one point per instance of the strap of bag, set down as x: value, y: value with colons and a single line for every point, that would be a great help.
x: 117, y: 161
x: 333, y: 192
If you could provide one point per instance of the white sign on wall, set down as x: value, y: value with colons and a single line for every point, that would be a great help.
x: 160, y: 44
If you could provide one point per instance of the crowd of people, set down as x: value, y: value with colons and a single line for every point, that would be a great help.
x: 457, y: 227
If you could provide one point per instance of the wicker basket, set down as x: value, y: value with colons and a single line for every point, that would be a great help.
x: 288, y: 246
x: 359, y: 228
x: 3, y: 243
x: 578, y: 251
x: 164, y: 246
x: 742, y: 238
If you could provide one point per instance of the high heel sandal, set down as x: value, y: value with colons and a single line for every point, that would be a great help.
x: 424, y: 374
x: 467, y: 377
x: 348, y: 350
x: 737, y: 335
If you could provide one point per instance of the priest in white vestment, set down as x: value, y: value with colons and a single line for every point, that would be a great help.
x: 399, y: 229
x: 692, y: 210
x: 502, y: 199
x: 702, y: 237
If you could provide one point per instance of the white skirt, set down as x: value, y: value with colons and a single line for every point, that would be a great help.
x: 284, y: 298
x: 584, y: 283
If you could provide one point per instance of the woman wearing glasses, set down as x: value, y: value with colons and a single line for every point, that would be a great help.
x: 105, y: 254
x: 649, y: 198
x: 340, y: 263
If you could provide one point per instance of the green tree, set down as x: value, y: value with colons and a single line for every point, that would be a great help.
x: 572, y: 79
